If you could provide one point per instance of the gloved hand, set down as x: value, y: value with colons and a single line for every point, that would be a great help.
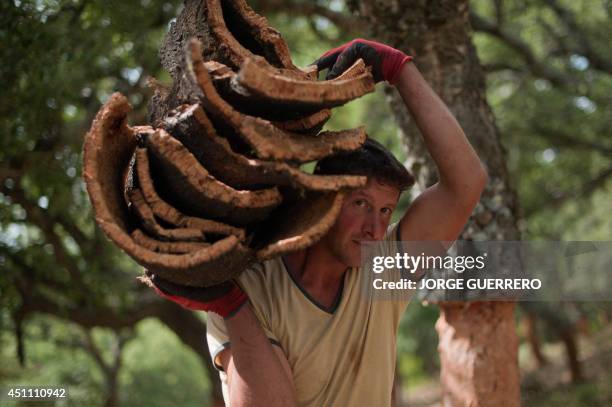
x: 224, y: 299
x: 386, y: 62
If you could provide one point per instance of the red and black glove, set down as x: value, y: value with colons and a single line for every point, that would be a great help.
x: 224, y: 299
x: 386, y: 62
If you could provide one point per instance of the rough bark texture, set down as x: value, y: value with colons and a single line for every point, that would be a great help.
x: 106, y: 156
x: 478, y: 344
x: 223, y: 166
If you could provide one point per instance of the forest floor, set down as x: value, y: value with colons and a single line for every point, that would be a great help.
x: 550, y: 386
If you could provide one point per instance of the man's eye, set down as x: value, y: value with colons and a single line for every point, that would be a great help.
x: 360, y: 202
x: 387, y: 211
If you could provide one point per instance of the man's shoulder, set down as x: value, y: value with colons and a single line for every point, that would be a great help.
x: 264, y: 275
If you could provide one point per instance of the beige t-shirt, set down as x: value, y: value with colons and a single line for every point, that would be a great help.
x: 338, y: 357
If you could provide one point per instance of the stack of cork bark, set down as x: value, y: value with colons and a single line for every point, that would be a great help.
x: 216, y: 183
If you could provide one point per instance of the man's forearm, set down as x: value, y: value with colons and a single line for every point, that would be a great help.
x: 459, y: 167
x: 255, y: 374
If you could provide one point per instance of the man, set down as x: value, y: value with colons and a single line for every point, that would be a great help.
x: 308, y: 335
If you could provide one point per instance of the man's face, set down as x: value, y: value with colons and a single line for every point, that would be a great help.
x: 365, y: 215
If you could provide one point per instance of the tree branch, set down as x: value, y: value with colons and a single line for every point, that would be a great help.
x: 586, y: 191
x: 499, y: 12
x: 90, y: 346
x: 46, y: 223
x: 561, y: 139
x: 501, y: 66
x: 34, y: 300
x: 597, y: 60
x: 344, y: 22
x: 522, y: 48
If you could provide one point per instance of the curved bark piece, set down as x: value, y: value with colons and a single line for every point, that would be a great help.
x: 267, y: 141
x: 309, y: 125
x: 241, y: 33
x: 264, y: 83
x: 273, y: 105
x: 306, y: 119
x: 107, y: 151
x: 300, y: 225
x: 165, y: 247
x: 168, y: 213
x: 179, y: 174
x: 108, y: 146
x: 150, y: 224
x: 194, y: 130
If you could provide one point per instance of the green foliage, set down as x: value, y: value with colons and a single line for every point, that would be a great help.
x: 157, y: 369
x: 61, y: 59
x: 160, y: 371
x: 552, y: 110
x: 417, y: 345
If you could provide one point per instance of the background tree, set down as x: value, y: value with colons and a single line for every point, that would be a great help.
x: 66, y: 59
x: 60, y: 278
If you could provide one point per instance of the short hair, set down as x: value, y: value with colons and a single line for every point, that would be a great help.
x: 373, y: 160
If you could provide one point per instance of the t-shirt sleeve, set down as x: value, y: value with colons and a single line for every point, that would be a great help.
x: 216, y: 337
x: 216, y: 330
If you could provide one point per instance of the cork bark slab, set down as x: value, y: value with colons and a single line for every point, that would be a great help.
x: 300, y: 225
x: 267, y: 141
x: 170, y: 214
x: 309, y: 125
x: 194, y: 130
x: 197, y: 193
x: 159, y: 246
x: 259, y: 91
x: 300, y: 118
x: 264, y: 83
x: 150, y: 224
x: 241, y: 33
x: 108, y: 146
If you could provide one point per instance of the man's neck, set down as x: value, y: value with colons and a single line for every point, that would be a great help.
x: 318, y: 272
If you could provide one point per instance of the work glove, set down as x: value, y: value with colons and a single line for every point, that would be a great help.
x: 224, y: 299
x: 386, y: 62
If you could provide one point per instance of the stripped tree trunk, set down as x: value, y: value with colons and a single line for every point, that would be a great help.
x: 478, y: 343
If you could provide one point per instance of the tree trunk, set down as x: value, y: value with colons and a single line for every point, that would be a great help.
x: 534, y: 340
x: 571, y: 350
x: 558, y: 322
x: 478, y: 344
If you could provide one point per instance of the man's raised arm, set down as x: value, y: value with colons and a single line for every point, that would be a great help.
x: 442, y: 210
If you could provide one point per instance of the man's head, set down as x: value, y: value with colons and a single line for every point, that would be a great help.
x: 366, y: 212
x: 373, y: 160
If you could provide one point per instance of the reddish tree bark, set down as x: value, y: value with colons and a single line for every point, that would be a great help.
x: 478, y: 343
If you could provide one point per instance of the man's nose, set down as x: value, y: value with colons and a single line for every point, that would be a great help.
x: 373, y: 227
